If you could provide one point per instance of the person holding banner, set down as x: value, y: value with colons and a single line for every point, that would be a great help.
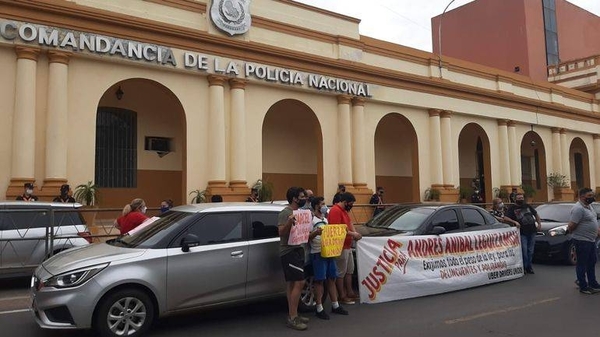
x: 338, y: 214
x: 292, y: 256
x: 324, y: 267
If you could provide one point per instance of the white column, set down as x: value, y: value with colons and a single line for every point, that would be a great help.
x: 503, y: 147
x: 359, y: 167
x: 238, y: 132
x: 344, y: 140
x: 514, y: 154
x: 446, y: 137
x: 564, y: 149
x: 597, y: 160
x: 556, y: 152
x: 57, y: 118
x: 216, y: 131
x: 23, y: 127
x: 435, y: 148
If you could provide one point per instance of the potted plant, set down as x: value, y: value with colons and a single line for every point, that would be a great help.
x: 528, y: 192
x: 199, y: 196
x: 432, y: 194
x: 464, y: 193
x: 560, y: 187
x: 265, y: 190
x: 87, y: 195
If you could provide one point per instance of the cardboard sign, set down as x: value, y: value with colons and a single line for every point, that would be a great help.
x: 332, y: 240
x: 301, y: 230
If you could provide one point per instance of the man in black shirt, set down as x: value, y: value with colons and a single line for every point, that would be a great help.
x: 28, y: 193
x: 527, y: 217
x: 64, y: 195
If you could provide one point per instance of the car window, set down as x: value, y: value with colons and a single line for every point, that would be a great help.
x: 410, y: 220
x: 489, y: 219
x: 554, y: 213
x: 24, y: 219
x: 447, y: 219
x: 218, y: 228
x: 154, y: 233
x: 472, y: 217
x: 263, y: 225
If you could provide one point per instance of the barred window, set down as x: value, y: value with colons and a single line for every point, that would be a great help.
x: 116, y: 147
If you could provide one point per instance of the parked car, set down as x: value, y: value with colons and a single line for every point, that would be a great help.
x: 553, y: 243
x: 25, y: 232
x: 430, y: 220
x: 193, y: 256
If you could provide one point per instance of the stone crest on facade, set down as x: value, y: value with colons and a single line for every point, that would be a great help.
x: 231, y: 16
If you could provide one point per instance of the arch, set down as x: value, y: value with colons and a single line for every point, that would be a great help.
x: 396, y: 159
x: 580, y: 164
x: 474, y: 160
x: 158, y: 141
x: 533, y: 164
x: 292, y: 148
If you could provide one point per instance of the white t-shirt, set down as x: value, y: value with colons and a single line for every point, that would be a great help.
x: 315, y: 244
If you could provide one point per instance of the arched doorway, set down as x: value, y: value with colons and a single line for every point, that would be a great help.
x: 140, y: 144
x: 580, y: 164
x: 474, y: 160
x: 292, y: 148
x: 396, y: 159
x: 533, y: 165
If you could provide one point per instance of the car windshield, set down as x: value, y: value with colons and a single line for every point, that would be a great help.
x: 554, y: 213
x: 151, y: 233
x: 402, y: 219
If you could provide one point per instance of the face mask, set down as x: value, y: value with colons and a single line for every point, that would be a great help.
x: 324, y: 210
x: 519, y: 202
x: 348, y: 207
x: 143, y: 209
x: 500, y: 205
x: 28, y: 191
x: 301, y: 202
x: 590, y: 200
x: 164, y: 209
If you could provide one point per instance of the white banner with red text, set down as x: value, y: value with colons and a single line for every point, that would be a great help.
x: 400, y: 267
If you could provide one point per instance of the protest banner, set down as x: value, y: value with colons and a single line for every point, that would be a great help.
x: 400, y: 267
x: 332, y: 240
x: 300, y: 231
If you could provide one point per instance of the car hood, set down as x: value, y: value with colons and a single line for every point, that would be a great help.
x: 546, y: 226
x: 82, y: 257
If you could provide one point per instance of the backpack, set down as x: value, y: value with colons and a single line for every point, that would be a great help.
x: 527, y: 218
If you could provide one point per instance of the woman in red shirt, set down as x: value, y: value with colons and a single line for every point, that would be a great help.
x: 133, y: 216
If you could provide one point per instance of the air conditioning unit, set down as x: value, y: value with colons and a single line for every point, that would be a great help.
x: 160, y: 145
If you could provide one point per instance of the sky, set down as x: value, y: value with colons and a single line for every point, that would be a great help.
x: 406, y: 22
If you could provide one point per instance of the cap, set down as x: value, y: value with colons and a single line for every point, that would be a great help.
x: 28, y: 185
x: 65, y: 187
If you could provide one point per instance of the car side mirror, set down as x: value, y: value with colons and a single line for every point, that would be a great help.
x: 190, y: 240
x: 437, y: 230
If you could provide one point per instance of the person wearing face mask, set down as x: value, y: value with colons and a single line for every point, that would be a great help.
x: 132, y: 216
x: 339, y: 215
x: 583, y: 224
x: 166, y: 205
x: 377, y: 199
x: 27, y: 193
x: 64, y: 196
x: 498, y: 212
x: 527, y: 217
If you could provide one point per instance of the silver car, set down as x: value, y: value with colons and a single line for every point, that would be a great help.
x: 26, y: 237
x: 190, y: 257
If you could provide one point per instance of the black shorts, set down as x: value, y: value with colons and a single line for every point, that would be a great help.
x: 293, y: 265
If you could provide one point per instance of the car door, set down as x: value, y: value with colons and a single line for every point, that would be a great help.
x: 215, y: 270
x: 446, y: 218
x: 24, y: 237
x: 264, y: 265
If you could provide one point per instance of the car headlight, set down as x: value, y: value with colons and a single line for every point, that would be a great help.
x: 75, y: 277
x: 561, y: 230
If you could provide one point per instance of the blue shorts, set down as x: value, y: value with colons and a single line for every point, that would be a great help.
x: 323, y: 267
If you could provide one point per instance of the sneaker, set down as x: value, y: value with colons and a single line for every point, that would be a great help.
x: 347, y: 301
x: 296, y: 324
x: 587, y: 291
x: 595, y: 289
x: 339, y: 310
x: 354, y: 297
x: 322, y: 315
x: 303, y: 319
x: 577, y: 283
x: 529, y: 271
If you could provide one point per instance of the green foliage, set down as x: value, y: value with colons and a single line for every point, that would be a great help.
x: 528, y: 191
x: 265, y: 190
x: 199, y: 196
x: 503, y: 194
x: 432, y: 194
x: 557, y: 180
x: 86, y: 194
x: 465, y: 192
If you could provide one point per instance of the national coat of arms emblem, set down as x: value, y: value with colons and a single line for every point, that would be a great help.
x: 231, y: 16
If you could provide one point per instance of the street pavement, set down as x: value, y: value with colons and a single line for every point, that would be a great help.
x: 545, y: 304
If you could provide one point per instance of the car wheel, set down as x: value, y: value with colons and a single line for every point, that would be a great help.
x: 127, y: 312
x: 571, y: 253
x: 307, y: 296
